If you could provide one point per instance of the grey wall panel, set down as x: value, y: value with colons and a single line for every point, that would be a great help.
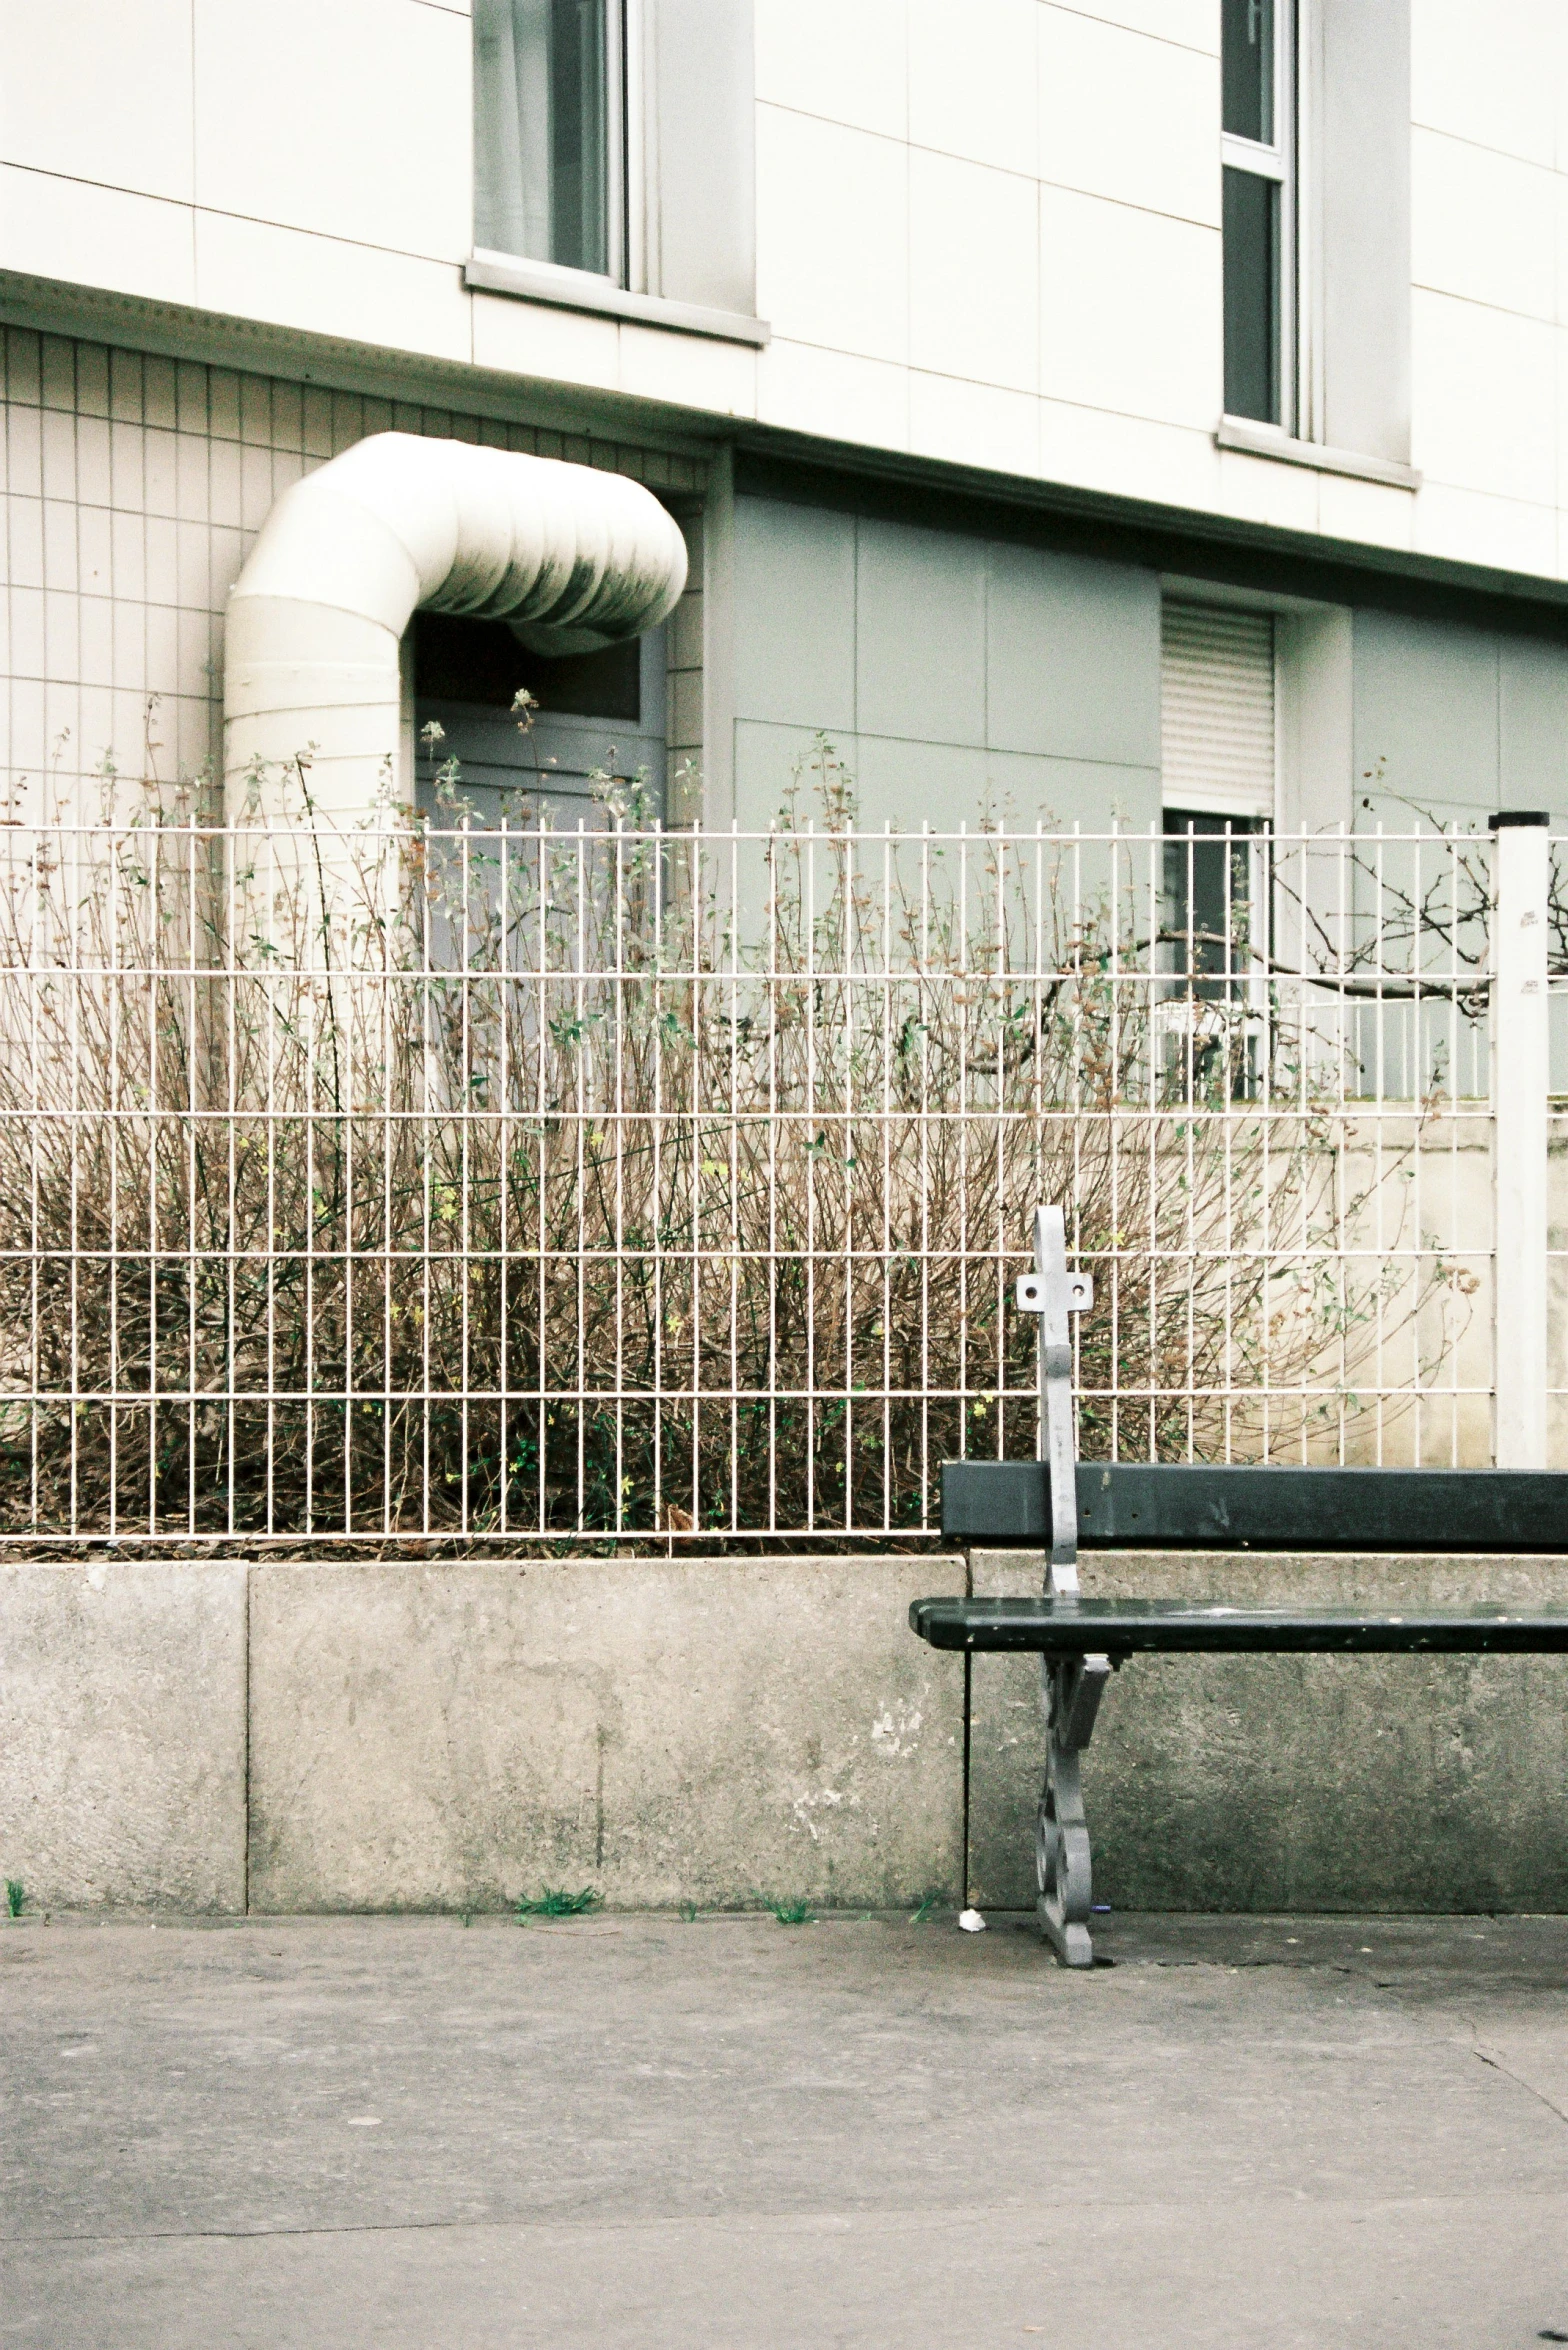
x: 1072, y: 657
x: 908, y: 784
x: 1426, y: 708
x: 1066, y: 792
x: 1316, y: 674
x: 1362, y: 186
x: 702, y: 160
x: 794, y: 585
x: 1533, y: 718
x: 951, y: 673
x: 920, y: 634
x: 768, y: 762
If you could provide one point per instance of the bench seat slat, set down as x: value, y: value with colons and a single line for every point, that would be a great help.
x: 1135, y: 1504
x: 1123, y: 1627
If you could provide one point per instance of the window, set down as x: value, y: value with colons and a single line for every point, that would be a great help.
x: 594, y: 714
x: 1209, y: 887
x: 1258, y: 214
x: 549, y: 144
x: 1217, y: 757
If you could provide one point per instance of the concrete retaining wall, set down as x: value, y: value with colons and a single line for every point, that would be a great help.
x: 435, y: 1736
x: 122, y: 1734
x: 212, y: 1737
x: 450, y: 1736
x: 1276, y: 1782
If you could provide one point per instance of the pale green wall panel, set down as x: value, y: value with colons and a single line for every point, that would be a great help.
x: 1425, y: 712
x: 908, y: 784
x: 1091, y: 793
x: 1072, y: 657
x: 1533, y: 721
x: 767, y: 758
x: 795, y: 614
x: 920, y: 634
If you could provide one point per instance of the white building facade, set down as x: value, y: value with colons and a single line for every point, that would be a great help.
x: 1078, y: 410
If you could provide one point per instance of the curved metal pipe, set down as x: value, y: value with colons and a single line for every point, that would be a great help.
x: 572, y: 557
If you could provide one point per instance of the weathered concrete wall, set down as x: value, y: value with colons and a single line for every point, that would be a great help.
x: 452, y: 1735
x: 122, y: 1734
x: 442, y: 1736
x: 1274, y: 1783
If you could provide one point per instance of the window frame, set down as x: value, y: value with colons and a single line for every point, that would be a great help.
x: 1279, y: 162
x: 624, y: 234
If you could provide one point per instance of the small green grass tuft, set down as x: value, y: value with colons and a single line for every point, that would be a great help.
x: 930, y: 1903
x: 689, y: 1912
x: 555, y: 1903
x: 15, y: 1897
x: 794, y: 1913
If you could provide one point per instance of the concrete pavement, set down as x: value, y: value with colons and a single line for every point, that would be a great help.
x: 637, y: 2130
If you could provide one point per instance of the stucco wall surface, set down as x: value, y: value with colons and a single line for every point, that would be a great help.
x: 718, y: 1732
x: 122, y: 1734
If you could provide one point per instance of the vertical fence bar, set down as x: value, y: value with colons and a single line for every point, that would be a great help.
x: 1519, y: 1114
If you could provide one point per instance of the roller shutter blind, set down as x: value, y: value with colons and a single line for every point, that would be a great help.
x: 1217, y: 710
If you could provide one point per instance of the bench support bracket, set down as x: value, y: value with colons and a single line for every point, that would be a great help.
x: 1070, y: 1687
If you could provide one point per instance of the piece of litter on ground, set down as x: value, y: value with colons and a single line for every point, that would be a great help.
x: 364, y: 2121
x: 1102, y: 1909
x: 970, y: 1922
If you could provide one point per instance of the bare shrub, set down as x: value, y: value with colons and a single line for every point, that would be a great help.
x: 418, y: 1182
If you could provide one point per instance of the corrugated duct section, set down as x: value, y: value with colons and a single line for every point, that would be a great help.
x: 1217, y: 709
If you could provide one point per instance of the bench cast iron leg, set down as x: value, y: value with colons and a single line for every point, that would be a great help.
x: 1070, y: 1686
x: 1070, y: 1693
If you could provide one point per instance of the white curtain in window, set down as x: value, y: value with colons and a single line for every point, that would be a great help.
x: 512, y: 127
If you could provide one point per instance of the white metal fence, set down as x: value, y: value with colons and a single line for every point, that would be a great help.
x: 521, y: 1186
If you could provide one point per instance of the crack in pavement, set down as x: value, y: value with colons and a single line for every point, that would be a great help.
x: 1490, y: 2057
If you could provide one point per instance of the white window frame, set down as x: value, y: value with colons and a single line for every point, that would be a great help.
x: 1278, y: 162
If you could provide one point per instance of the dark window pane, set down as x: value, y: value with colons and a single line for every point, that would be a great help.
x: 1208, y: 901
x: 1212, y: 939
x: 542, y: 120
x: 482, y: 663
x: 578, y: 163
x: 1206, y: 889
x: 1252, y: 323
x: 1247, y: 53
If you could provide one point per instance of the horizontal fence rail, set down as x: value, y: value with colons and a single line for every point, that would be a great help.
x: 519, y: 1186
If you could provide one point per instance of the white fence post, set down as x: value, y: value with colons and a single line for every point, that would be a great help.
x: 1519, y: 1107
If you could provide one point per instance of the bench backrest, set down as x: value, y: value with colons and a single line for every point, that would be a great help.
x: 1060, y: 1503
x: 1132, y: 1505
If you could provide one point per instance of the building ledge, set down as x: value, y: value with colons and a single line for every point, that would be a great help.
x: 576, y: 289
x: 1267, y: 440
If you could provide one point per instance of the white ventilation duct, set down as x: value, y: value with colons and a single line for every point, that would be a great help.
x: 573, y: 558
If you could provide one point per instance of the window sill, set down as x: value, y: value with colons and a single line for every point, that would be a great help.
x: 1266, y: 440
x: 575, y: 289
